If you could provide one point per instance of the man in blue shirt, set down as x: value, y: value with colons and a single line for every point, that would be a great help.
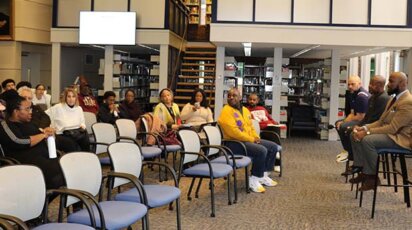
x: 358, y: 107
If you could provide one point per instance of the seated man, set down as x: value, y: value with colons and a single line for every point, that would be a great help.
x: 236, y: 124
x: 377, y: 103
x: 8, y: 84
x: 109, y: 111
x: 358, y: 107
x: 259, y: 113
x: 392, y: 130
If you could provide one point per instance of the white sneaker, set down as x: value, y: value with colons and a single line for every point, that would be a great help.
x: 342, y: 157
x: 276, y: 168
x: 267, y: 181
x: 278, y: 156
x: 255, y: 186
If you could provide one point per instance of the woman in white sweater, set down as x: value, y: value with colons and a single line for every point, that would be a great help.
x: 68, y: 120
x: 197, y: 111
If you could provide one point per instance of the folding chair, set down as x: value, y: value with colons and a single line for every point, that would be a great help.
x: 90, y: 119
x: 104, y: 134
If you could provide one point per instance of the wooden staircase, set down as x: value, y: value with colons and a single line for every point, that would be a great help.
x: 198, y: 70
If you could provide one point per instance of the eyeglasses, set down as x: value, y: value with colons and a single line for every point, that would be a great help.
x: 28, y: 109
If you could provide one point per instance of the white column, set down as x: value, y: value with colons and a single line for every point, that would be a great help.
x: 382, y: 64
x: 108, y: 68
x: 163, y: 66
x: 396, y: 61
x: 276, y: 82
x: 365, y: 70
x: 354, y: 66
x: 219, y: 86
x: 334, y: 96
x: 55, y: 72
x: 408, y: 68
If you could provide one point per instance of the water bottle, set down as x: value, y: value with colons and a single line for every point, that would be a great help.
x: 51, y: 144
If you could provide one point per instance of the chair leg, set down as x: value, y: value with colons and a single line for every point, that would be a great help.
x: 357, y: 191
x: 190, y: 189
x: 351, y: 186
x: 247, y: 180
x: 395, y: 175
x: 212, y: 191
x: 280, y: 165
x: 346, y: 176
x: 383, y: 165
x: 235, y: 185
x: 405, y: 180
x: 179, y: 223
x: 375, y: 189
x: 360, y: 199
x: 145, y: 221
x: 387, y: 172
x: 198, y: 188
x: 229, y: 194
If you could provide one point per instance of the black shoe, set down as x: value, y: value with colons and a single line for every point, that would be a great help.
x: 358, y: 179
x: 352, y: 170
x: 369, y: 183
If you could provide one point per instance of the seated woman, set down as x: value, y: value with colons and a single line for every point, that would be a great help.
x: 167, y: 111
x: 23, y: 141
x: 40, y: 98
x: 68, y: 120
x: 130, y: 107
x: 197, y: 111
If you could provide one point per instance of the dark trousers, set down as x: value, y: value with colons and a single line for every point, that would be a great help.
x: 263, y: 155
x: 67, y: 144
x: 344, y: 134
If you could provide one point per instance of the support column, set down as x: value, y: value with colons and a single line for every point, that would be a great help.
x: 163, y: 66
x: 396, y: 61
x: 276, y: 83
x: 408, y: 68
x: 354, y: 66
x: 55, y: 72
x: 365, y: 70
x: 219, y: 79
x: 108, y: 68
x: 334, y: 96
x: 382, y: 65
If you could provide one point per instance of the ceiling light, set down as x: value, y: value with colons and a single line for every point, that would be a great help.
x: 304, y: 51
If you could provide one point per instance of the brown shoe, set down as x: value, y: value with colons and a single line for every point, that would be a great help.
x: 369, y: 183
x: 358, y: 179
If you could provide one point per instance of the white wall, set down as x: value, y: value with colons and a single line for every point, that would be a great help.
x: 273, y: 11
x: 110, y: 5
x: 350, y: 12
x: 314, y: 11
x: 235, y: 10
x: 150, y: 14
x: 389, y: 12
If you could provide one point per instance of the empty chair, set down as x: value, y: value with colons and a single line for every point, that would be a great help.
x: 270, y: 136
x: 82, y: 171
x: 104, y: 134
x: 127, y: 131
x: 23, y: 192
x: 191, y: 155
x: 214, y: 138
x: 302, y: 117
x: 90, y: 119
x: 126, y: 158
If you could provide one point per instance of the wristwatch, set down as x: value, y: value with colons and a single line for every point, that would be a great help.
x: 368, y: 132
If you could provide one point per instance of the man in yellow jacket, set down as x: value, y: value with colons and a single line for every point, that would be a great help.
x: 236, y: 123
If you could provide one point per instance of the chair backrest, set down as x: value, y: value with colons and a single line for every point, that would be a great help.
x: 104, y: 133
x: 191, y: 143
x: 126, y: 158
x: 214, y: 137
x: 126, y: 128
x: 145, y: 124
x: 81, y: 171
x: 90, y: 119
x: 22, y: 191
x: 256, y: 126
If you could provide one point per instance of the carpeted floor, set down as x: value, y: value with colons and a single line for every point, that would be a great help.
x: 311, y: 195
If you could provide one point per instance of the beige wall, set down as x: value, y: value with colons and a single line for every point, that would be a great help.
x: 33, y: 20
x: 45, y: 60
x: 350, y: 12
x: 110, y: 5
x: 10, y: 60
x: 150, y: 14
x: 235, y: 10
x: 314, y: 11
x: 273, y: 11
x: 69, y: 11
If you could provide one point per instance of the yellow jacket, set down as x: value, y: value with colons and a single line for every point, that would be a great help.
x: 163, y: 114
x: 235, y: 126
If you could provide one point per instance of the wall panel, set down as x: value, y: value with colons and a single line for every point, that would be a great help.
x: 110, y: 5
x: 150, y: 14
x: 389, y: 12
x: 273, y: 11
x: 235, y: 10
x: 314, y: 11
x: 350, y: 12
x: 69, y: 11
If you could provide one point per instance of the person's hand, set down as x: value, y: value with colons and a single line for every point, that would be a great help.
x: 49, y: 131
x: 358, y: 135
x: 175, y: 127
x: 113, y: 108
x: 257, y: 140
x: 338, y: 124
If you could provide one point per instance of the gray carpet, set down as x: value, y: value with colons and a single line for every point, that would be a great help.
x: 311, y: 195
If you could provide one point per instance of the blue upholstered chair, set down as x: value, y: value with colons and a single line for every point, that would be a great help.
x: 24, y: 196
x: 127, y: 158
x: 82, y: 172
x: 195, y: 164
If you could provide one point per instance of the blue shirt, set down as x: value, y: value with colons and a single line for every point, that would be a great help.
x: 359, y: 102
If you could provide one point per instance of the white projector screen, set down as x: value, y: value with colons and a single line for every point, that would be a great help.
x: 107, y: 28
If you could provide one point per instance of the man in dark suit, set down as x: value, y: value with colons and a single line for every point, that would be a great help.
x: 392, y: 130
